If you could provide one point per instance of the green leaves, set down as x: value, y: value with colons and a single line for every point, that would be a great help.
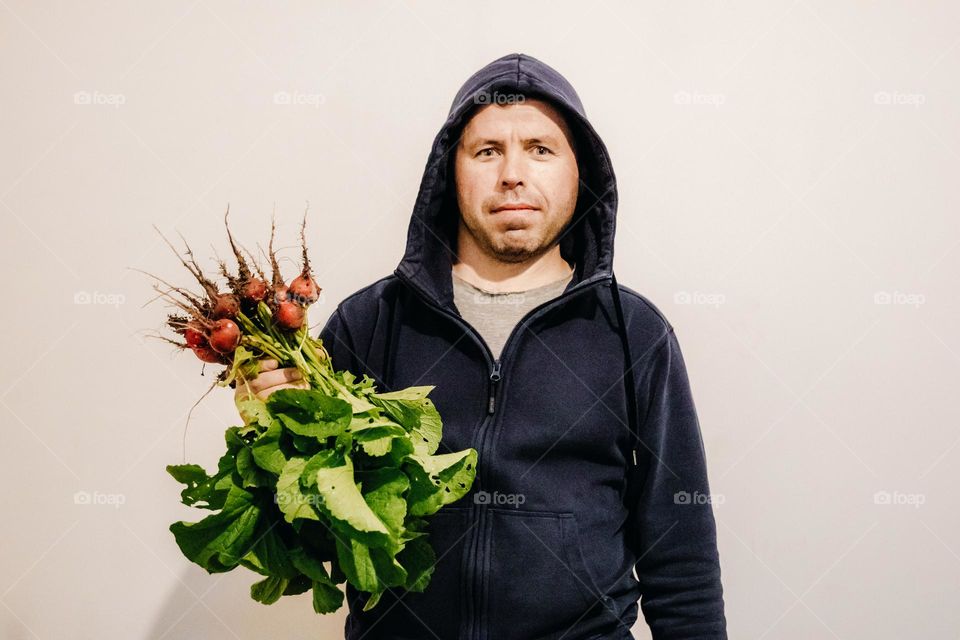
x: 266, y: 449
x: 342, y: 498
x: 199, y: 491
x: 313, y: 480
x: 411, y: 408
x: 439, y: 480
x: 385, y: 489
x: 310, y: 413
x: 293, y: 502
x: 219, y: 541
x: 419, y: 559
x: 268, y: 590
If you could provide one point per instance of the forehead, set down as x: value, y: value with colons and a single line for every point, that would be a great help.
x: 532, y: 116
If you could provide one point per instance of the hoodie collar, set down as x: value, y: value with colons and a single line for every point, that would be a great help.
x: 431, y: 237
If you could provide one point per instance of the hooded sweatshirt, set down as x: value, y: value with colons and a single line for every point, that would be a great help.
x: 591, y: 462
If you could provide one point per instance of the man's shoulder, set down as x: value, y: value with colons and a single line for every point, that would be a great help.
x: 647, y: 325
x: 369, y: 297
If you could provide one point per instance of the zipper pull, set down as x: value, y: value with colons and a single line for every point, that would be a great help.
x: 494, y: 379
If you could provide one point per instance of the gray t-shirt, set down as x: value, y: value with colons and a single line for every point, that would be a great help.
x: 494, y: 315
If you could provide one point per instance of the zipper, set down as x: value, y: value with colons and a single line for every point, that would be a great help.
x: 479, y: 511
x: 492, y: 362
x: 494, y: 379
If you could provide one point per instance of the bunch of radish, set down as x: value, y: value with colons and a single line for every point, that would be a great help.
x: 321, y: 486
x: 250, y: 310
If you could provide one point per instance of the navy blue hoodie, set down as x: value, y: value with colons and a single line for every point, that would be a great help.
x: 591, y: 462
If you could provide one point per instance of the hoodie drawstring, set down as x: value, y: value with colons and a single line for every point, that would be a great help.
x: 628, y: 360
x: 393, y: 333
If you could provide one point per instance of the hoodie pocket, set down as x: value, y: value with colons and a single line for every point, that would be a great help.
x: 438, y: 607
x: 539, y: 584
x: 435, y: 612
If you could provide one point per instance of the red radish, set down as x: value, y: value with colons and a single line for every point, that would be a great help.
x: 194, y: 336
x: 226, y: 306
x: 208, y: 355
x: 279, y: 289
x: 254, y: 290
x: 304, y: 289
x: 225, y: 336
x: 250, y: 288
x: 289, y: 315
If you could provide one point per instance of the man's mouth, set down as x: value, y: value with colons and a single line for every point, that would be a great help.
x: 521, y: 206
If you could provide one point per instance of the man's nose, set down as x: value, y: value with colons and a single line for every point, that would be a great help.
x: 511, y: 169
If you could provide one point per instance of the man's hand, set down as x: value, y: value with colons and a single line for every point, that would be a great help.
x: 269, y: 380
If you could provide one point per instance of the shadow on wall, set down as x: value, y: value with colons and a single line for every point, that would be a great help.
x: 202, y: 606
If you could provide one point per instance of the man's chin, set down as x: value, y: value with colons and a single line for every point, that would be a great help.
x: 517, y: 250
x: 513, y: 245
x: 515, y: 257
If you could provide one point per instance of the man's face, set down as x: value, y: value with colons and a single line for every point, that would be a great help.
x: 516, y: 155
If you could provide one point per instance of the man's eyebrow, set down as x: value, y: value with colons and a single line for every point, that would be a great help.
x: 547, y: 139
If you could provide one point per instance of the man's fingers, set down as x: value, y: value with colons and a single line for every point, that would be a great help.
x: 269, y: 379
x: 263, y: 395
x: 292, y: 374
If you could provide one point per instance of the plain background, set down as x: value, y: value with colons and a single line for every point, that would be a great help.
x: 788, y: 198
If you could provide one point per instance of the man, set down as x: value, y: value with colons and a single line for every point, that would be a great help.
x: 571, y: 387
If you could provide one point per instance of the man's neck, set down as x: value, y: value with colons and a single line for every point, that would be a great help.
x: 497, y: 276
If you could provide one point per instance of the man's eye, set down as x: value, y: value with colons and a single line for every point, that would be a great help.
x: 481, y: 152
x: 538, y: 147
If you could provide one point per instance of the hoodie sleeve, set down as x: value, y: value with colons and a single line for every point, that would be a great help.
x: 338, y: 343
x: 678, y: 563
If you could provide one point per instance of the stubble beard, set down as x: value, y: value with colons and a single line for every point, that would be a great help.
x: 504, y: 250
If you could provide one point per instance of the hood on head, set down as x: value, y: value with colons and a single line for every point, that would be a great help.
x: 431, y: 237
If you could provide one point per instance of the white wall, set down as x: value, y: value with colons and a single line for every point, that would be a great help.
x: 783, y: 162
